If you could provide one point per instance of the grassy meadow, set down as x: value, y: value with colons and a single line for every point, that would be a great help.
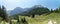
x: 42, y: 19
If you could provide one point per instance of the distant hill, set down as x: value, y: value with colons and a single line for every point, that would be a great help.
x: 16, y: 11
x: 19, y: 10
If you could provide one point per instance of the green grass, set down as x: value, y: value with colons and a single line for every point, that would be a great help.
x: 42, y: 19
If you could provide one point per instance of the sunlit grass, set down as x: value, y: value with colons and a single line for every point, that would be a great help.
x: 42, y: 19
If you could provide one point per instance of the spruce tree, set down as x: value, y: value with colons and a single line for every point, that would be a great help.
x: 18, y: 20
x: 4, y: 14
x: 51, y: 10
x: 0, y: 12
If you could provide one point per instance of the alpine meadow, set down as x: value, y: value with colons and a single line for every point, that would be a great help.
x: 29, y: 11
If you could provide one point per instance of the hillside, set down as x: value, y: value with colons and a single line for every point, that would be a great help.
x: 53, y: 18
x: 16, y: 11
x: 44, y: 19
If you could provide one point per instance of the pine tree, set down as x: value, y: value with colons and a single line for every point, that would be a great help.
x: 4, y: 14
x: 18, y: 19
x: 51, y: 10
x: 0, y: 12
x: 24, y: 21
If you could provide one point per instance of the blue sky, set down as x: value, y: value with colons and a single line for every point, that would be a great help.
x: 11, y: 4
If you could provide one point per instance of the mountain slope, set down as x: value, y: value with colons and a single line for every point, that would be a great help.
x: 16, y: 11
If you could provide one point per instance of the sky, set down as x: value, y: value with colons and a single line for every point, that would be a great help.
x: 11, y: 4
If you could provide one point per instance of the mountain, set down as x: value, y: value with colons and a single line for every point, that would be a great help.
x: 16, y: 11
x: 19, y: 10
x: 8, y: 12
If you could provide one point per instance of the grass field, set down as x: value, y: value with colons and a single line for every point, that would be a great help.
x: 42, y: 19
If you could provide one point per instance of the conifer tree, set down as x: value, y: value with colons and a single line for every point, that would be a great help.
x: 51, y: 10
x: 0, y: 12
x: 3, y: 13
